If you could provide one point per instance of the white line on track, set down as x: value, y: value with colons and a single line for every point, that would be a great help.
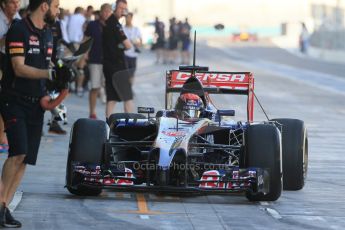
x: 127, y: 195
x: 123, y: 195
x: 144, y: 217
x: 273, y: 213
x: 264, y: 203
x: 15, y: 201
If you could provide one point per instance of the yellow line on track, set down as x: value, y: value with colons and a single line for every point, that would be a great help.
x: 142, y: 207
x: 142, y: 204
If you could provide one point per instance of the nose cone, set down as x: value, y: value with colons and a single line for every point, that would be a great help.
x: 165, y: 158
x: 163, y: 167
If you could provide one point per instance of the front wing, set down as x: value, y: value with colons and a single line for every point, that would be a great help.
x: 234, y: 180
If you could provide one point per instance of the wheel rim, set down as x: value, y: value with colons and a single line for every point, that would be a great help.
x: 305, y: 158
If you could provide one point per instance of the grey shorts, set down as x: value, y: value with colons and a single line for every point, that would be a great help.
x: 96, y: 76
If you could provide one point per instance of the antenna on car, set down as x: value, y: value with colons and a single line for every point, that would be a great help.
x: 193, y: 68
x: 194, y: 49
x: 194, y: 54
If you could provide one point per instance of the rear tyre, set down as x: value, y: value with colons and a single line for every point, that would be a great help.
x: 86, y: 146
x: 263, y: 150
x: 295, y: 153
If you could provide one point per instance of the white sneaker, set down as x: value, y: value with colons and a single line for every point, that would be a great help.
x: 80, y: 92
x: 102, y: 95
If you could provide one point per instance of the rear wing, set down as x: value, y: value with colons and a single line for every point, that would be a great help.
x: 241, y: 83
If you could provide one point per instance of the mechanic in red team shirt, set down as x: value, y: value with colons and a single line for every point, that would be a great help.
x: 29, y: 44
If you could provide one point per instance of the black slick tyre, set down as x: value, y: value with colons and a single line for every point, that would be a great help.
x: 86, y: 145
x: 295, y: 152
x: 263, y: 150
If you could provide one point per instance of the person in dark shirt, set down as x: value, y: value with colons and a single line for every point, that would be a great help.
x: 94, y: 30
x: 160, y: 43
x: 173, y: 41
x: 185, y: 30
x: 29, y: 47
x: 117, y: 79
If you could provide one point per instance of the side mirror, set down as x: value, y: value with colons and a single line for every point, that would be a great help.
x: 147, y: 110
x: 227, y: 112
x: 224, y: 113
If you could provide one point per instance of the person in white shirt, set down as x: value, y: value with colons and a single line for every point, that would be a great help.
x: 75, y: 26
x: 75, y: 31
x: 64, y: 17
x: 134, y: 35
x: 8, y: 12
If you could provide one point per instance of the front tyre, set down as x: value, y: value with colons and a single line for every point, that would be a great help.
x: 263, y: 150
x: 86, y: 145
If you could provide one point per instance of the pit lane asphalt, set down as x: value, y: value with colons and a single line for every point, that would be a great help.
x: 46, y: 204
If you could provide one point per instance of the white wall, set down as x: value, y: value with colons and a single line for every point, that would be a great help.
x: 208, y: 12
x: 205, y: 12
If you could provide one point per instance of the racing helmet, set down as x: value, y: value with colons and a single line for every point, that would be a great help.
x: 59, y: 113
x: 188, y: 106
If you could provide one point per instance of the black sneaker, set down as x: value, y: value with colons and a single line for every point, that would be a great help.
x: 2, y: 214
x: 10, y: 222
x: 56, y: 128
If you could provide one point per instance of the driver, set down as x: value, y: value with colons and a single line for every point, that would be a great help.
x: 189, y: 106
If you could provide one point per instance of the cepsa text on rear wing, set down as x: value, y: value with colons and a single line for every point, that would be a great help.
x: 214, y: 83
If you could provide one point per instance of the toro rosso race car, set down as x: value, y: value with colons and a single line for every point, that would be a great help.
x: 190, y: 147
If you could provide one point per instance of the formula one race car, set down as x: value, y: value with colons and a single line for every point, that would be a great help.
x: 244, y: 37
x: 190, y: 147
